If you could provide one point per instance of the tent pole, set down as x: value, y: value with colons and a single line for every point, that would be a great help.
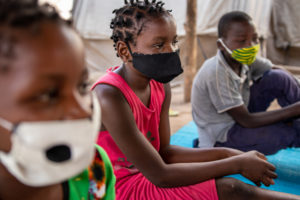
x: 190, y: 55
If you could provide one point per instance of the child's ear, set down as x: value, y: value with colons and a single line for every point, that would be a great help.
x: 123, y: 51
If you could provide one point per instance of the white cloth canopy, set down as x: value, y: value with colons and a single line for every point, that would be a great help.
x: 92, y: 17
x: 286, y: 15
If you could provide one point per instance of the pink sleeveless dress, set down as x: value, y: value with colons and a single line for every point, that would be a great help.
x: 131, y: 184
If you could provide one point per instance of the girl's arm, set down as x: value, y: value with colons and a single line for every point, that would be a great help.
x: 177, y: 154
x: 118, y: 119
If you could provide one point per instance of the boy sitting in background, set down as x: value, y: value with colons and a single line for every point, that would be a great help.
x: 232, y: 91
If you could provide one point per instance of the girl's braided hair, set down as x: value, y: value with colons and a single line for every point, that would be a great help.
x: 130, y: 19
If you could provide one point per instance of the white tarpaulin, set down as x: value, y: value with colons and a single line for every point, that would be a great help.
x: 285, y: 16
x: 210, y: 11
x: 92, y: 17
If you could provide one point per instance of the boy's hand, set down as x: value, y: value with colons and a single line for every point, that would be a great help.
x: 254, y: 166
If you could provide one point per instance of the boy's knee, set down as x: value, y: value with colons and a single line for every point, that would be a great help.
x: 278, y: 75
x: 277, y: 80
x: 230, y: 188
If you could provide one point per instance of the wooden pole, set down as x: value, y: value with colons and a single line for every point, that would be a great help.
x: 190, y: 54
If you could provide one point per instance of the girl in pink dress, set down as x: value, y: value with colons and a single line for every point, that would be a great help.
x: 135, y: 100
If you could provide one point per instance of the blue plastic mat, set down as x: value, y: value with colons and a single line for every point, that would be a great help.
x: 287, y: 161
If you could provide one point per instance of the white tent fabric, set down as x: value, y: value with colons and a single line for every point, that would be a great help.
x: 286, y: 29
x: 63, y: 6
x: 209, y: 13
x: 92, y: 17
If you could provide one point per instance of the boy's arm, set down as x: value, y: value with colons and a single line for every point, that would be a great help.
x: 118, y: 119
x: 253, y: 120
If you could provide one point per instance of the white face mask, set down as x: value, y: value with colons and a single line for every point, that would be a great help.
x: 49, y: 152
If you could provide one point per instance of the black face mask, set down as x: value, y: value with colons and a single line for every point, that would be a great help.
x: 162, y: 67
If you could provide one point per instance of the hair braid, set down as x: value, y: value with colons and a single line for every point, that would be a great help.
x: 129, y: 20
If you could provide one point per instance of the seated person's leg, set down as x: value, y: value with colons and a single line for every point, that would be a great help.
x: 275, y: 84
x: 266, y: 139
x: 230, y: 188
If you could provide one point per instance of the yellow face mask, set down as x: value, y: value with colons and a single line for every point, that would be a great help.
x: 245, y: 56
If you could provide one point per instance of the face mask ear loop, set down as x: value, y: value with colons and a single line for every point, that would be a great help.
x: 127, y: 44
x: 227, y: 49
x: 6, y: 124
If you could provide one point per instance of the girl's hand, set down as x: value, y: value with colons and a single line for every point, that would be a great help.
x: 255, y: 167
x: 232, y: 152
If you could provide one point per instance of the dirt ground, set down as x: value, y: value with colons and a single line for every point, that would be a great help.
x: 184, y: 109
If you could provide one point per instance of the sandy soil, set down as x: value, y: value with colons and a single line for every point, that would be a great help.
x: 184, y: 109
